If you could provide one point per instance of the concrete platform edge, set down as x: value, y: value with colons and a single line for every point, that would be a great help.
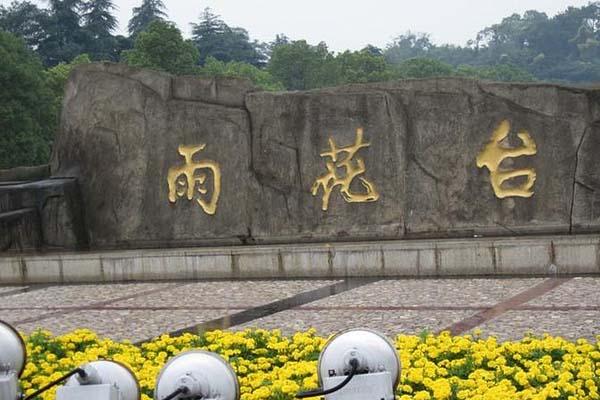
x: 522, y: 256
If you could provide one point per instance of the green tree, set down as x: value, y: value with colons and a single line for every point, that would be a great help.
x: 65, y: 38
x: 27, y: 112
x: 367, y: 65
x: 98, y: 18
x: 90, y: 23
x: 162, y: 47
x: 565, y: 47
x: 99, y: 23
x: 423, y: 68
x: 261, y: 78
x: 501, y: 72
x: 146, y: 13
x: 300, y: 66
x: 280, y: 39
x: 407, y: 46
x: 214, y: 38
x: 26, y: 20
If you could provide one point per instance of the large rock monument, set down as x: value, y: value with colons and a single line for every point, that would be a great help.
x: 166, y: 161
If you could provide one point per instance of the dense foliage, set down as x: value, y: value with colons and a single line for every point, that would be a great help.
x: 271, y: 366
x: 525, y: 47
x: 565, y: 47
x: 214, y: 38
x: 238, y: 69
x: 162, y: 47
x: 27, y: 107
x: 148, y: 12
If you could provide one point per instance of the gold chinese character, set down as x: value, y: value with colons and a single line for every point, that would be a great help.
x: 494, y: 153
x: 352, y: 170
x: 184, y: 180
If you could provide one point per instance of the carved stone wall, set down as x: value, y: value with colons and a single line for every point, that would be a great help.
x: 171, y: 161
x: 41, y: 215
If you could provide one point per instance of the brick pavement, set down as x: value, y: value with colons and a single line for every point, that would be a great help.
x: 507, y: 308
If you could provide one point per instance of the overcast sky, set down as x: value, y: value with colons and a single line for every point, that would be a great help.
x: 350, y: 24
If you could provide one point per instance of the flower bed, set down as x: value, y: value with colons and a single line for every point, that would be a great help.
x: 275, y: 367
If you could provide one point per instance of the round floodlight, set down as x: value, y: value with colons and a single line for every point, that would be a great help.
x: 374, y: 352
x: 13, y: 353
x: 109, y: 372
x: 197, y: 374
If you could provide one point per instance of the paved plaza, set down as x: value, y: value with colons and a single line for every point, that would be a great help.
x: 507, y: 308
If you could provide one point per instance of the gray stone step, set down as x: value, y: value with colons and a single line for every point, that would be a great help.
x: 17, y: 195
x: 540, y: 255
x: 20, y: 174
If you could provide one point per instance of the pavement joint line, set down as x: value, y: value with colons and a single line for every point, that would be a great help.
x: 250, y: 314
x: 26, y: 289
x: 12, y: 292
x: 512, y: 303
x: 99, y: 304
x: 304, y: 308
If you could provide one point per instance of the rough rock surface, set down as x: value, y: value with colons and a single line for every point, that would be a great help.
x: 20, y: 230
x: 586, y: 207
x: 120, y: 135
x: 290, y: 131
x: 449, y: 125
x: 41, y: 215
x: 121, y: 128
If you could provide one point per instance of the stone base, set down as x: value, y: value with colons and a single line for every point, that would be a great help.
x: 544, y: 255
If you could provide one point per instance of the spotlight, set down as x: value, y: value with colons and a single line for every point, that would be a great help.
x: 97, y: 380
x: 101, y: 380
x: 197, y: 374
x: 357, y: 364
x: 12, y: 361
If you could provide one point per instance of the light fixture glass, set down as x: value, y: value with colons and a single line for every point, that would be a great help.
x: 13, y: 353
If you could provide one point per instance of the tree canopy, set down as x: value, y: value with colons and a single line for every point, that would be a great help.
x: 301, y: 66
x: 366, y: 65
x: 565, y: 47
x: 148, y: 12
x: 260, y: 77
x: 98, y: 18
x: 39, y: 45
x: 27, y: 107
x: 25, y: 20
x: 162, y: 47
x: 214, y: 38
x: 66, y: 29
x: 64, y: 37
x: 99, y: 24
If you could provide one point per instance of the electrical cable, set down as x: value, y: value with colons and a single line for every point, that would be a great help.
x: 79, y: 371
x: 321, y: 392
x: 181, y: 390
